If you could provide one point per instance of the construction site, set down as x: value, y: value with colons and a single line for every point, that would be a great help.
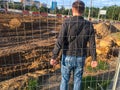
x: 26, y: 44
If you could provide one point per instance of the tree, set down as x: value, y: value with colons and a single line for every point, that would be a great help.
x: 57, y: 10
x: 116, y: 13
x: 112, y: 12
x: 27, y: 7
x: 34, y: 8
x: 62, y: 10
x: 19, y: 7
x: 95, y: 12
x: 67, y: 11
x: 43, y: 9
x: 11, y: 6
x: 86, y: 11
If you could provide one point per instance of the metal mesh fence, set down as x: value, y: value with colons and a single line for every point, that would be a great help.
x: 28, y: 32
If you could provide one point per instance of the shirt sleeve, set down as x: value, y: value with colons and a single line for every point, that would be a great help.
x: 59, y: 42
x: 92, y: 43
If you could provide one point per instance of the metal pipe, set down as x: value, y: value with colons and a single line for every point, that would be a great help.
x: 90, y: 10
x: 100, y: 86
x: 116, y: 74
x: 90, y: 88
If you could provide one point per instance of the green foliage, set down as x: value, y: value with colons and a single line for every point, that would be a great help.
x: 34, y: 8
x: 27, y: 7
x: 16, y: 5
x: 1, y: 6
x: 62, y: 10
x: 101, y: 66
x: 43, y: 9
x: 113, y: 12
x: 32, y: 84
x: 19, y: 7
x: 92, y: 81
x: 67, y: 12
x: 56, y: 10
x: 86, y: 11
x: 11, y: 5
x: 94, y: 12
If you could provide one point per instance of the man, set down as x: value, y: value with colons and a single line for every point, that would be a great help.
x: 73, y: 38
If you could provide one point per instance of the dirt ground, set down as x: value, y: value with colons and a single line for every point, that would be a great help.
x: 26, y: 46
x: 26, y: 43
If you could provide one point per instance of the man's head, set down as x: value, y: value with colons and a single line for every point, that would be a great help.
x: 78, y: 7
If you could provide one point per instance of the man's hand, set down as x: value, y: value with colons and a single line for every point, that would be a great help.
x: 94, y: 64
x: 53, y: 62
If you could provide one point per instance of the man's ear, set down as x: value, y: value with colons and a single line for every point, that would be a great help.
x: 73, y: 9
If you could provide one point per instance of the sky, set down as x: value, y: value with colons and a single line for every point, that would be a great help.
x: 95, y: 3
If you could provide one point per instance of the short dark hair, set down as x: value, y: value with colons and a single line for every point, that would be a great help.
x: 79, y: 5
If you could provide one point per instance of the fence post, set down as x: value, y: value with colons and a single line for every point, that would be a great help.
x: 116, y: 74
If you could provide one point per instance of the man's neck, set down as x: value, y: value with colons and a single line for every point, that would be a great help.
x: 77, y: 14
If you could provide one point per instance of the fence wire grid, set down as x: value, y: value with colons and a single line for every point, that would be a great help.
x: 28, y: 32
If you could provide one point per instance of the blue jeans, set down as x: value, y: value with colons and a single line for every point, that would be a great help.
x: 68, y: 64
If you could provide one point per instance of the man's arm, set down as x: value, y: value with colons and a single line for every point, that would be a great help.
x: 92, y: 42
x: 60, y: 41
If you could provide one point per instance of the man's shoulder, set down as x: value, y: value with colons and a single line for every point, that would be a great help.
x: 88, y: 22
x: 67, y: 19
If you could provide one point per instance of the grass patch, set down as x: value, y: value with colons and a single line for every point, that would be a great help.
x: 93, y: 83
x: 89, y: 81
x: 102, y: 65
x: 32, y: 84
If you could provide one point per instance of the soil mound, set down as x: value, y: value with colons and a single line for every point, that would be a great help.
x: 117, y: 25
x: 112, y: 28
x: 116, y: 37
x: 14, y: 23
x: 102, y: 29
